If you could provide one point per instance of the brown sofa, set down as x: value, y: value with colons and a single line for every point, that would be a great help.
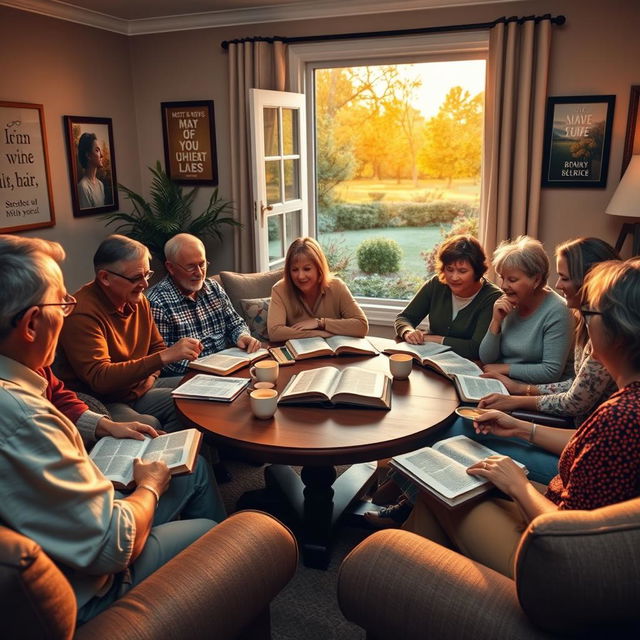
x: 577, y: 573
x: 220, y: 587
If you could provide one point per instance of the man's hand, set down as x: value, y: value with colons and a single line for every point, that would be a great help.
x: 413, y: 337
x: 134, y: 430
x: 154, y: 473
x: 184, y: 349
x: 248, y: 343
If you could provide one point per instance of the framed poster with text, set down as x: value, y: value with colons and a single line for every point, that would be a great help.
x: 189, y: 134
x: 25, y: 184
x: 577, y: 138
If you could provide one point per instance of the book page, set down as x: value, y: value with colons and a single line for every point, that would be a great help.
x: 423, y: 351
x: 205, y: 386
x: 114, y: 457
x: 475, y: 388
x: 436, y: 470
x: 237, y: 352
x: 463, y: 450
x: 221, y: 361
x: 320, y: 380
x: 303, y: 346
x: 172, y: 448
x: 450, y: 362
x: 361, y: 344
x: 360, y: 382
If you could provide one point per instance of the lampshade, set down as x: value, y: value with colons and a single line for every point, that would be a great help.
x: 626, y: 199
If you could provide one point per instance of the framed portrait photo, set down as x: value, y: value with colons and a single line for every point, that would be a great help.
x: 92, y: 165
x: 577, y: 139
x: 189, y: 133
x: 632, y: 137
x: 26, y: 201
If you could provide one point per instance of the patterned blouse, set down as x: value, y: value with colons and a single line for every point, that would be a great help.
x: 578, y: 396
x: 601, y: 463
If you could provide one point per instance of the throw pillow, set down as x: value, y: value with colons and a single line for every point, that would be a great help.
x: 255, y: 311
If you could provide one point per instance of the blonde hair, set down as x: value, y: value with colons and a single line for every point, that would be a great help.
x: 524, y: 253
x: 310, y: 249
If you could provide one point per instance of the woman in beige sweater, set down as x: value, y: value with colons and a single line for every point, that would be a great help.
x: 309, y: 301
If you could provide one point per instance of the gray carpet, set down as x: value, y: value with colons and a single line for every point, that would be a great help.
x: 307, y: 609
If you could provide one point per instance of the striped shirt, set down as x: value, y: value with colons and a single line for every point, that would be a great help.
x: 210, y: 318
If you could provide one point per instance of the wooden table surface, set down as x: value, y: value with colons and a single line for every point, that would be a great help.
x: 311, y: 435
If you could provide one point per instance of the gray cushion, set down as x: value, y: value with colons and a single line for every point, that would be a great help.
x: 248, y: 285
x: 255, y: 312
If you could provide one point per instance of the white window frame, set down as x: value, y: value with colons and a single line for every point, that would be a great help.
x: 305, y: 58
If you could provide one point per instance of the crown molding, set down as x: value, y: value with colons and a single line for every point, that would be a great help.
x: 211, y: 19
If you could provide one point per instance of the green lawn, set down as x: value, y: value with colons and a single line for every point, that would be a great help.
x: 413, y: 241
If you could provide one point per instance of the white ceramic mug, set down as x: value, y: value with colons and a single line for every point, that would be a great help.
x: 263, y: 403
x: 265, y: 371
x: 400, y: 365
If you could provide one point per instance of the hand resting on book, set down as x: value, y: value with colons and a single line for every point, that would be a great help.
x: 153, y: 473
x: 502, y: 471
x: 133, y: 429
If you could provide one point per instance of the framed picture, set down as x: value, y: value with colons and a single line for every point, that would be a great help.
x: 189, y: 133
x: 92, y: 165
x: 25, y: 185
x: 577, y: 138
x: 632, y: 137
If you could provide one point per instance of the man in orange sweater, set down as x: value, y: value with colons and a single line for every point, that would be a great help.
x: 111, y: 346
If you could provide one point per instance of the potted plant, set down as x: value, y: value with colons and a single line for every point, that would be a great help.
x: 168, y: 213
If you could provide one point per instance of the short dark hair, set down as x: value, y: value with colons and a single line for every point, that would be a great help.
x: 85, y: 144
x: 461, y: 248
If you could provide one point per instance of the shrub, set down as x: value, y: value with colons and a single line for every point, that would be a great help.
x: 337, y: 256
x: 401, y: 287
x: 379, y: 255
x: 359, y: 215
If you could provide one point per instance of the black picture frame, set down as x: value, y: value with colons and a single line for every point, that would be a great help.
x: 632, y: 135
x: 88, y: 196
x: 189, y: 134
x: 577, y: 141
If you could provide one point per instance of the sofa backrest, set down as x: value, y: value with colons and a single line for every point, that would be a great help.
x: 37, y: 601
x: 580, y: 569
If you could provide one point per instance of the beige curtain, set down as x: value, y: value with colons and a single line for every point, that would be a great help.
x: 517, y: 73
x: 252, y: 65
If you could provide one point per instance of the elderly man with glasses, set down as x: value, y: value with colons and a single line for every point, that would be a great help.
x: 187, y: 303
x: 111, y: 347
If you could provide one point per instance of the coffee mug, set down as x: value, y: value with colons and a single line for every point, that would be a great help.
x: 265, y: 371
x: 263, y: 403
x: 400, y: 365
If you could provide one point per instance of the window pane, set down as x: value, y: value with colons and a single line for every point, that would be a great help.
x: 290, y: 131
x: 271, y: 132
x: 293, y: 226
x: 276, y: 237
x: 291, y: 179
x: 272, y: 176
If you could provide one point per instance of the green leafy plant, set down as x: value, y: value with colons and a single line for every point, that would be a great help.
x: 379, y: 255
x: 168, y: 213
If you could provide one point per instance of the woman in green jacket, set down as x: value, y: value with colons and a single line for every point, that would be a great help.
x: 458, y: 300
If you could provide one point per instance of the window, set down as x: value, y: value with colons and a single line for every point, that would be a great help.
x: 387, y: 127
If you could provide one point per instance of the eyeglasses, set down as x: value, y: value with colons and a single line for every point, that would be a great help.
x: 195, y: 268
x: 587, y: 314
x: 136, y: 279
x: 66, y: 306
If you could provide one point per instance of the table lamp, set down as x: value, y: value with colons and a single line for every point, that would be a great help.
x: 626, y: 202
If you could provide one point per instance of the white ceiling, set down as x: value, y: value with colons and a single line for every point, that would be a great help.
x: 133, y: 17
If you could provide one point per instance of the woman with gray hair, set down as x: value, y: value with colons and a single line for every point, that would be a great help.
x: 529, y: 336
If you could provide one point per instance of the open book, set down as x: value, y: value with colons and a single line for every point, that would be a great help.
x: 474, y: 388
x: 302, y: 348
x: 419, y: 352
x: 227, y: 361
x: 202, y: 387
x: 114, y: 456
x: 334, y: 386
x: 442, y: 469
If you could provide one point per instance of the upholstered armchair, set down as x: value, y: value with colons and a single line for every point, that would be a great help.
x: 220, y: 587
x: 577, y: 573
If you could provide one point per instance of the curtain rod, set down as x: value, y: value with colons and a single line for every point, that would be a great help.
x: 559, y: 20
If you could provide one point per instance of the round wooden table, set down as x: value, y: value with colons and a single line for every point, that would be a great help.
x: 318, y: 438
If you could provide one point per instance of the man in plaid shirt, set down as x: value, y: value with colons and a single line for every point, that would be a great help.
x: 188, y: 304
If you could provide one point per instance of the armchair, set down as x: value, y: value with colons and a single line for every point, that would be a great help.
x: 219, y: 587
x: 576, y: 573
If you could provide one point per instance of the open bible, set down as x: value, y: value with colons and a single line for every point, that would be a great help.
x: 227, y: 361
x: 202, y: 387
x: 114, y: 456
x: 332, y: 386
x: 442, y: 469
x: 302, y: 348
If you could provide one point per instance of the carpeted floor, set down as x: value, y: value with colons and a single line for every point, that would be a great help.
x: 307, y: 609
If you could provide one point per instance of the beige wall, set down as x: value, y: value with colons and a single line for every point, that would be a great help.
x: 77, y: 70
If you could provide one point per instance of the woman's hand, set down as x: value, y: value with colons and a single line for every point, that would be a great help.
x: 306, y: 325
x: 498, y: 368
x: 502, y: 471
x: 413, y: 337
x: 501, y: 308
x: 514, y: 387
x: 501, y: 424
x: 499, y: 401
